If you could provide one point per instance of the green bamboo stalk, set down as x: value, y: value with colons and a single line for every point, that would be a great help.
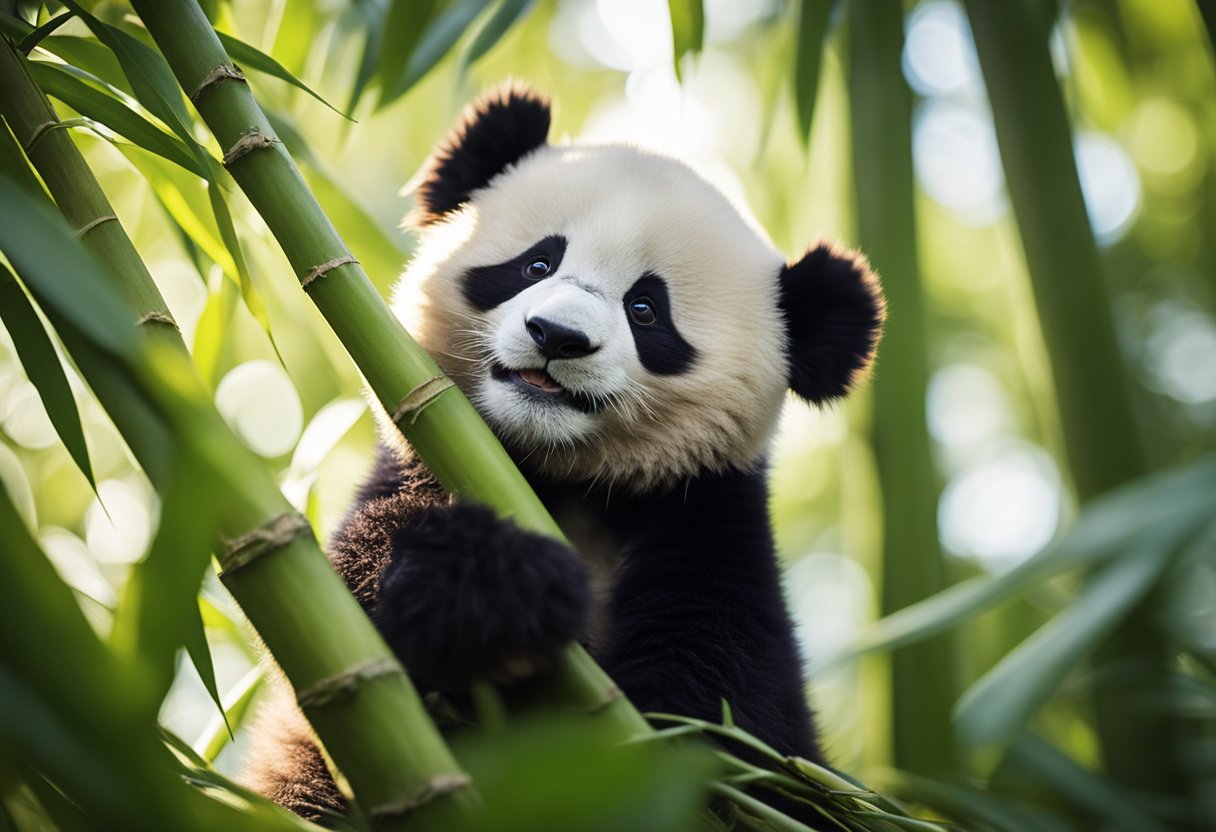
x: 922, y: 675
x: 436, y: 418
x: 381, y: 738
x: 1100, y: 436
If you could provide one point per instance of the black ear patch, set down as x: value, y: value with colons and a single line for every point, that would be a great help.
x: 834, y: 311
x: 496, y: 131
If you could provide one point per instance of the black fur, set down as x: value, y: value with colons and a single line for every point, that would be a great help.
x: 467, y: 596
x: 499, y: 130
x: 661, y: 348
x: 487, y: 286
x: 834, y: 311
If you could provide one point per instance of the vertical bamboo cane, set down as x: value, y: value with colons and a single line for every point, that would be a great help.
x: 923, y: 685
x: 1101, y: 440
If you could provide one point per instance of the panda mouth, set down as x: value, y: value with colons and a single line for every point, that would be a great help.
x: 538, y: 384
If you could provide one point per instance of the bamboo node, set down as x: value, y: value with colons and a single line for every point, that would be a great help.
x: 87, y: 227
x: 157, y: 317
x: 325, y: 268
x: 345, y: 685
x: 216, y: 76
x: 40, y: 131
x: 610, y: 695
x: 253, y: 140
x: 417, y: 399
x: 270, y: 537
x: 436, y: 787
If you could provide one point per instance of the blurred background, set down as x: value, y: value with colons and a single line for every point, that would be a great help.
x: 963, y: 464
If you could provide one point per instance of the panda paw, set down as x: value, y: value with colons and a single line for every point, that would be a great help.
x: 468, y: 596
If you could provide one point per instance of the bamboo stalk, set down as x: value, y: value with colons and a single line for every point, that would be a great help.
x: 436, y: 418
x: 922, y: 675
x: 1101, y: 440
x: 377, y: 731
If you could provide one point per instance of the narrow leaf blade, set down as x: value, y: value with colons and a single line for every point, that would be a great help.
x: 249, y: 56
x: 44, y: 369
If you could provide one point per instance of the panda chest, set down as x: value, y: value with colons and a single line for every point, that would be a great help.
x: 600, y: 546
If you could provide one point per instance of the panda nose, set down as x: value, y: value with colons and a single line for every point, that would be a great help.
x: 558, y: 341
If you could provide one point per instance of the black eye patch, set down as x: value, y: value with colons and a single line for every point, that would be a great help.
x: 487, y: 286
x: 661, y: 348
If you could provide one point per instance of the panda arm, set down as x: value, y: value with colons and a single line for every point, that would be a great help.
x: 697, y: 614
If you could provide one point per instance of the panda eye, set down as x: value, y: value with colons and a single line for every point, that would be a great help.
x: 537, y: 267
x: 641, y: 310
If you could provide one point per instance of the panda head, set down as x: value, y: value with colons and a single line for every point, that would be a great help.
x: 611, y: 314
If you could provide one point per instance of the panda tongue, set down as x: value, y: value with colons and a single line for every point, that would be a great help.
x: 541, y: 379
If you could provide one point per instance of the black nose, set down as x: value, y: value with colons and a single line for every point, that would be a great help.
x: 557, y: 341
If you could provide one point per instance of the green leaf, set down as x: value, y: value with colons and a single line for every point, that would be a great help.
x: 60, y: 272
x: 401, y: 29
x: 247, y: 56
x: 813, y: 16
x: 436, y: 41
x: 1080, y: 787
x: 35, y: 37
x: 16, y: 167
x: 210, y: 336
x: 504, y: 17
x: 1139, y: 510
x: 44, y: 369
x: 218, y: 732
x: 687, y: 28
x: 249, y: 293
x: 152, y: 82
x: 195, y: 641
x: 60, y: 82
x: 995, y: 708
x: 159, y: 611
x: 88, y: 55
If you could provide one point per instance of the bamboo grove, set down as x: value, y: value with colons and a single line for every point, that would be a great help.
x: 1071, y: 690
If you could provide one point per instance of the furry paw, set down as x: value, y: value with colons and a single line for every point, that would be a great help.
x: 468, y: 596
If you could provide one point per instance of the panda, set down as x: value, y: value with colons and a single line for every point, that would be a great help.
x: 629, y: 334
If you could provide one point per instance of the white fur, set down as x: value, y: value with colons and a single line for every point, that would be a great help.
x: 624, y: 212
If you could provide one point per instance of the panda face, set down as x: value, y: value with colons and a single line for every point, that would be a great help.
x: 609, y: 312
x: 612, y: 315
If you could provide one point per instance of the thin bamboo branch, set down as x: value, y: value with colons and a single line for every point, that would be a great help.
x: 377, y: 732
x: 436, y: 418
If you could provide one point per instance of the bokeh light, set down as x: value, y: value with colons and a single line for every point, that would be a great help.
x: 261, y: 405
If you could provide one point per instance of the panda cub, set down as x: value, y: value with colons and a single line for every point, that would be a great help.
x: 629, y: 334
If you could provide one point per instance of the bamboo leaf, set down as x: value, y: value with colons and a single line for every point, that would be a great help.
x: 16, y: 167
x: 996, y: 707
x: 44, y: 370
x: 402, y: 30
x: 151, y: 80
x: 249, y: 56
x: 232, y: 243
x: 813, y: 17
x: 504, y: 17
x: 60, y: 82
x: 218, y: 732
x: 158, y: 612
x: 687, y: 28
x: 88, y: 55
x: 1139, y: 511
x: 194, y: 639
x: 35, y: 37
x: 1081, y: 787
x: 210, y: 334
x: 55, y: 267
x: 436, y: 41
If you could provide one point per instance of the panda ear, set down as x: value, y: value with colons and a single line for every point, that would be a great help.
x: 496, y: 131
x: 834, y: 311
